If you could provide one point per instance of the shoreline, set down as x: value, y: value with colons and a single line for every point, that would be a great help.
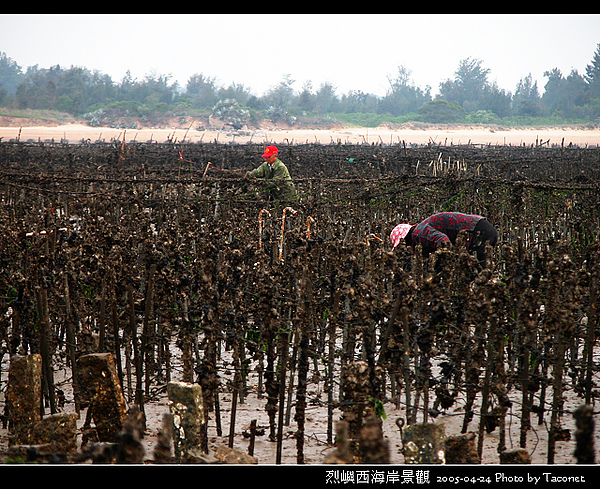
x: 444, y: 136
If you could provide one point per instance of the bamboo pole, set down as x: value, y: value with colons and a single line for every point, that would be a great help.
x: 557, y: 388
x: 137, y: 357
x: 592, y: 321
x: 333, y: 317
x: 234, y: 401
x: 284, y: 340
x: 71, y: 344
x: 486, y: 389
x: 47, y: 372
x: 147, y: 332
x: 115, y: 328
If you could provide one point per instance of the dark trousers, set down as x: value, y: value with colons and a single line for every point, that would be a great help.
x: 483, y: 233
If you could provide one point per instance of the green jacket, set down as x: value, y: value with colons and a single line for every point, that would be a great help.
x: 284, y: 188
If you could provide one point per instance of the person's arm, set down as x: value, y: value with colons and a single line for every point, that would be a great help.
x: 260, y: 172
x: 431, y: 238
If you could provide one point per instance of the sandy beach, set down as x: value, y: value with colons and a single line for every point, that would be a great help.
x: 380, y: 135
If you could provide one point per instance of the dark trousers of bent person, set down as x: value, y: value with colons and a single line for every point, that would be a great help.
x: 483, y: 234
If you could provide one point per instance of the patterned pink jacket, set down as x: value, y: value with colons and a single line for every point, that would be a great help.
x: 440, y: 228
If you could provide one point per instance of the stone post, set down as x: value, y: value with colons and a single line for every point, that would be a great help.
x: 424, y: 443
x: 516, y: 456
x: 57, y: 433
x: 374, y: 448
x: 101, y: 391
x: 24, y: 397
x: 461, y: 449
x: 584, y: 435
x: 189, y: 421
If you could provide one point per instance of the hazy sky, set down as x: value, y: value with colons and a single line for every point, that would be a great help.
x: 350, y: 51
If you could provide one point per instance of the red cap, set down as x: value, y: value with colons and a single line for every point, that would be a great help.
x: 270, y: 151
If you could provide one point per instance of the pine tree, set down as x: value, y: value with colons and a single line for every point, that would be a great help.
x: 592, y: 75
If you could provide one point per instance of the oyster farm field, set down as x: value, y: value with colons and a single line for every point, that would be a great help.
x: 311, y: 339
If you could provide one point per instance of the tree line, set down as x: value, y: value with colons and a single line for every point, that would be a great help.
x: 468, y: 97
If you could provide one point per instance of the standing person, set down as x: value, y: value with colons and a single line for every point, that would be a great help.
x: 281, y: 186
x: 442, y: 229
